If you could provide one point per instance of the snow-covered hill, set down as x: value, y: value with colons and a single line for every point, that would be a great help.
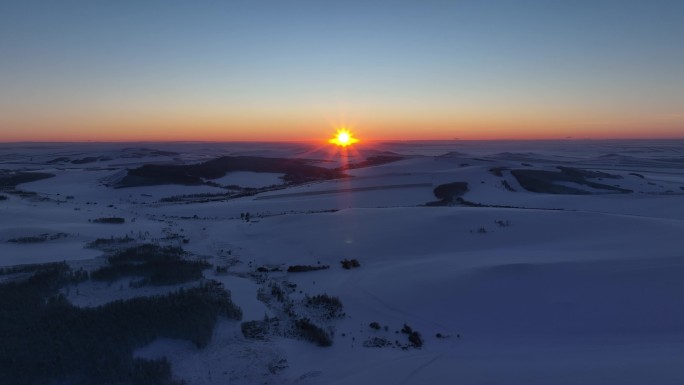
x: 503, y: 284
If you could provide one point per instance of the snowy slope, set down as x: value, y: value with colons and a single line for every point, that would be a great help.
x: 528, y: 288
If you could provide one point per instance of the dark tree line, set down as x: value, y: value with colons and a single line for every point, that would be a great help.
x: 156, y: 265
x: 47, y: 340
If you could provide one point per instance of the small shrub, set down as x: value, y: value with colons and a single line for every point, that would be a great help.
x: 374, y: 325
x: 111, y: 220
x: 406, y: 329
x: 305, y: 268
x: 415, y: 339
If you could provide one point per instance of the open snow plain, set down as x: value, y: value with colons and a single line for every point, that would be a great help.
x: 556, y: 262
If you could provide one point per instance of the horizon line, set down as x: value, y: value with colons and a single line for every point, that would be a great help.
x: 320, y: 140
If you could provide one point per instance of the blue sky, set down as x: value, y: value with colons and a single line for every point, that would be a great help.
x: 288, y: 69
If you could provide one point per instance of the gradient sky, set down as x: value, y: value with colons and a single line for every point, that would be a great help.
x: 293, y: 70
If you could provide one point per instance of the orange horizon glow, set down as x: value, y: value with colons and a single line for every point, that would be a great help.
x: 191, y: 128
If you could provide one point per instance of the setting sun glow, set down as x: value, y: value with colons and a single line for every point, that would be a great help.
x: 343, y: 138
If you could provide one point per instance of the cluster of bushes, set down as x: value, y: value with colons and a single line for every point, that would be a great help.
x: 2, y: 197
x: 414, y: 336
x: 350, y: 263
x: 255, y: 330
x: 329, y: 305
x: 38, y: 238
x: 100, y: 242
x: 115, y: 220
x: 258, y: 330
x: 55, y: 273
x: 156, y: 265
x: 305, y: 268
x: 312, y: 333
x: 376, y: 342
x: 46, y: 340
x: 277, y: 292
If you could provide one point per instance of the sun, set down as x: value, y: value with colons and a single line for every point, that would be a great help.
x: 343, y: 138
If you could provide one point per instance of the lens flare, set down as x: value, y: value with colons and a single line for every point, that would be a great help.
x: 343, y: 138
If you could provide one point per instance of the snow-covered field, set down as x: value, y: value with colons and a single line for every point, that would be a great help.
x: 506, y: 286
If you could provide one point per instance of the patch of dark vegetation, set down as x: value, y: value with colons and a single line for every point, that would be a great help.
x: 576, y: 172
x: 330, y: 306
x: 194, y: 198
x: 269, y: 269
x: 38, y: 238
x: 637, y: 175
x: 61, y: 159
x: 305, y: 268
x: 374, y: 161
x: 156, y: 265
x: 277, y: 366
x: 507, y: 186
x: 66, y: 275
x: 377, y: 342
x: 350, y: 263
x: 310, y: 332
x: 111, y: 220
x: 88, y: 159
x: 25, y: 194
x: 111, y: 241
x: 275, y: 291
x: 10, y: 179
x: 447, y: 193
x: 498, y: 171
x: 46, y: 340
x: 2, y: 197
x: 374, y: 325
x: 258, y: 330
x: 541, y: 181
x: 295, y: 170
